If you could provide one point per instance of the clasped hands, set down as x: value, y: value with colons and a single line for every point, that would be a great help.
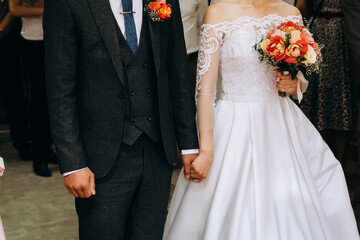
x: 197, y: 166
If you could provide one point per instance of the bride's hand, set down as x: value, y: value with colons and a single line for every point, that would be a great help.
x: 201, y: 166
x: 284, y: 83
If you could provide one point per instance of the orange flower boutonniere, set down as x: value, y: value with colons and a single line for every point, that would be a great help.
x: 158, y: 10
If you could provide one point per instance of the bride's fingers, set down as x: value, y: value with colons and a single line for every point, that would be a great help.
x: 195, y: 175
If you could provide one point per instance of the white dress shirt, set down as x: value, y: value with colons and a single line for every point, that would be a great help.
x: 116, y: 7
x: 192, y: 14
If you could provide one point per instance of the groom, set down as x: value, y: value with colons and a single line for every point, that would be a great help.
x: 119, y: 100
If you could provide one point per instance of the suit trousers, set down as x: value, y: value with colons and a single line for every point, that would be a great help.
x: 131, y: 200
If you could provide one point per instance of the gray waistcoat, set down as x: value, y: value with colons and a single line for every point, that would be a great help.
x: 142, y: 114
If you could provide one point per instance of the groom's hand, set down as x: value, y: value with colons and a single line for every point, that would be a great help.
x: 81, y: 184
x: 187, y: 160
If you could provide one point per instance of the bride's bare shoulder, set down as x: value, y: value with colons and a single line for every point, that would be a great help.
x: 286, y: 9
x: 217, y: 13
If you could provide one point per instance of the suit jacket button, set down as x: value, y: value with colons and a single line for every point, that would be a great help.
x: 132, y: 94
x: 134, y: 119
x: 145, y: 65
x: 128, y: 67
x: 148, y: 90
x: 149, y: 119
x: 121, y: 96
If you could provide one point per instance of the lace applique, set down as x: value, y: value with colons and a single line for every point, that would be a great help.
x: 209, y: 45
x: 212, y: 38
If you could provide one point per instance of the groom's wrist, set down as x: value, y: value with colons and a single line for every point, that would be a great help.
x: 189, y: 151
x: 75, y: 171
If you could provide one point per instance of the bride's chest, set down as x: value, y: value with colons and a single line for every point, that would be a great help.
x: 240, y: 44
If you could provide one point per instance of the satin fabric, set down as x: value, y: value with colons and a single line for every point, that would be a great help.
x: 273, y: 177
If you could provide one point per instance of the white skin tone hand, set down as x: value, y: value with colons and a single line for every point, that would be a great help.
x: 1, y: 170
x: 81, y: 184
x: 187, y: 160
x: 284, y: 83
x: 201, y: 166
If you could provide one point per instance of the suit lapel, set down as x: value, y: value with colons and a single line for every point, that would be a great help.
x: 154, y: 29
x: 105, y: 22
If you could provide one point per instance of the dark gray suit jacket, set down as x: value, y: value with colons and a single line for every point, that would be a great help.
x: 85, y: 78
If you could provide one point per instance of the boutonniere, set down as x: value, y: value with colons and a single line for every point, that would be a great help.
x: 158, y: 10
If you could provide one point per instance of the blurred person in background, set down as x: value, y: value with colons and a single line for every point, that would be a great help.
x: 352, y: 30
x: 11, y: 87
x: 192, y: 14
x: 329, y: 102
x: 31, y: 12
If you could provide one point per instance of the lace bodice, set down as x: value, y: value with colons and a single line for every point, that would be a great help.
x: 229, y: 67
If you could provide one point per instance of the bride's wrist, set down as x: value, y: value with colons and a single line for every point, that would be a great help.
x: 208, y: 151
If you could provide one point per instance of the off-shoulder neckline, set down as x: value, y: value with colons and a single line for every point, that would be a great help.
x: 251, y: 18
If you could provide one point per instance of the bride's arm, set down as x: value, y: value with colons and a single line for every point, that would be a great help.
x: 207, y: 72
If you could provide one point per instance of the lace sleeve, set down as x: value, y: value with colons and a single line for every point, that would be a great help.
x: 207, y: 72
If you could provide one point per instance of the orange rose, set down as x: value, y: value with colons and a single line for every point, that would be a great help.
x: 154, y: 6
x: 289, y: 26
x: 298, y: 49
x: 164, y: 12
x: 276, y: 48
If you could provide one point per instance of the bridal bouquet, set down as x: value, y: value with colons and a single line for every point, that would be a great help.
x: 291, y: 48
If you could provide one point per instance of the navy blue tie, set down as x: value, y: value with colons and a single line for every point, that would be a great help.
x: 130, y: 27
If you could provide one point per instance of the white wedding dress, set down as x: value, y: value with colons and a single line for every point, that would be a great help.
x: 273, y: 177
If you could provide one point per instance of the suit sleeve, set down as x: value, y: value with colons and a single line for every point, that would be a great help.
x: 181, y: 95
x: 61, y: 79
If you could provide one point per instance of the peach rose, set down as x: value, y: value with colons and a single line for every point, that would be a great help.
x: 298, y: 49
x: 276, y: 48
x: 164, y: 12
x: 295, y: 36
x: 294, y: 50
x: 279, y: 33
x: 264, y: 44
x: 154, y: 6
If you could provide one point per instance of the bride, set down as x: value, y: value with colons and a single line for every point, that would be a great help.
x: 263, y: 172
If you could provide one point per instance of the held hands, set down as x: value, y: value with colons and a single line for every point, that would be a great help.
x: 81, y: 184
x: 197, y: 166
x: 284, y: 83
x: 201, y: 166
x: 187, y: 160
